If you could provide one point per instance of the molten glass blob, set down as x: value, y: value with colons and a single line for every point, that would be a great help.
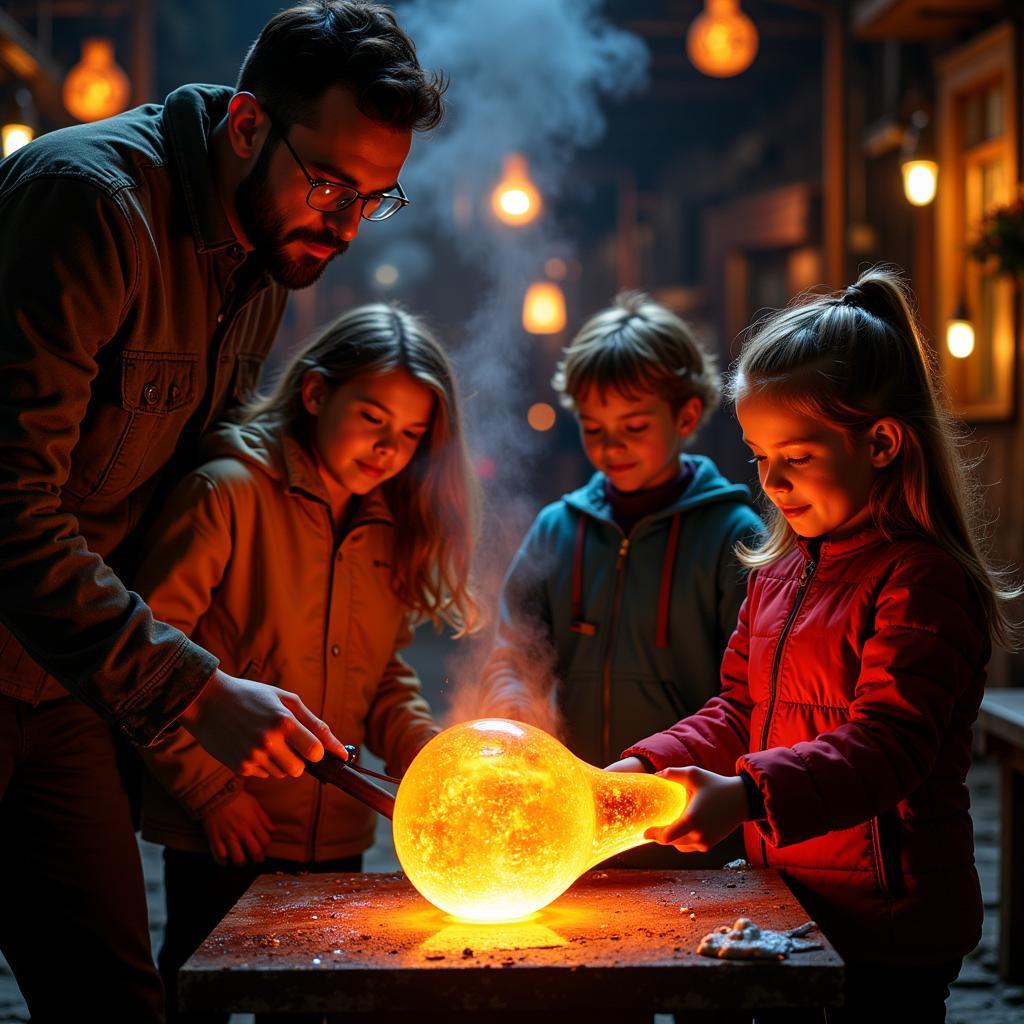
x: 495, y: 819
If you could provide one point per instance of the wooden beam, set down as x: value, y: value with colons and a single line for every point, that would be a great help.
x: 919, y: 19
x: 833, y: 135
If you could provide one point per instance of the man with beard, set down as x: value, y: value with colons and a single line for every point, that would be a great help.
x: 144, y: 264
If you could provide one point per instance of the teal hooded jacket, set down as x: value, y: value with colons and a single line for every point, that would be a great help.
x: 625, y: 634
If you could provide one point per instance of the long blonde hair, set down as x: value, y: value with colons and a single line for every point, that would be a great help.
x: 848, y: 359
x: 435, y: 500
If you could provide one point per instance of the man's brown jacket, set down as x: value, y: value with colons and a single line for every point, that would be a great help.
x: 130, y: 319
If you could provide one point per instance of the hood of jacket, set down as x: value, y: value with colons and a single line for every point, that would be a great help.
x: 707, y: 487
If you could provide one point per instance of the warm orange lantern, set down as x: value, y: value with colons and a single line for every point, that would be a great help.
x: 544, y: 308
x: 920, y: 181
x: 13, y: 137
x: 722, y: 41
x: 515, y: 199
x: 96, y: 86
x: 495, y: 819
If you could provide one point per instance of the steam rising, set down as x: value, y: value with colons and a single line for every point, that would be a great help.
x: 528, y: 77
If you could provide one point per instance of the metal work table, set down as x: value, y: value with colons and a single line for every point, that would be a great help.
x: 1001, y: 723
x: 618, y: 940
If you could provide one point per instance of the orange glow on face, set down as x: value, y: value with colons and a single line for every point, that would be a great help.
x: 495, y: 818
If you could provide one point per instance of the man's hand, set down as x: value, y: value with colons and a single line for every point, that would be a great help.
x: 237, y: 828
x: 717, y: 805
x: 627, y: 764
x: 256, y: 729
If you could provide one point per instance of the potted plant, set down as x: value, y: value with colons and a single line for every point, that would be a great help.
x: 1000, y: 240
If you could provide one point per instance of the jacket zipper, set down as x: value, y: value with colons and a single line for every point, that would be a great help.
x: 606, y: 670
x: 801, y: 591
x: 880, y: 872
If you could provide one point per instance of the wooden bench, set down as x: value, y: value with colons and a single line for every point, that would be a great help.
x: 1001, y: 726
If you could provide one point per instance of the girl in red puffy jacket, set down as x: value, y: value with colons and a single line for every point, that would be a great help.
x: 842, y: 736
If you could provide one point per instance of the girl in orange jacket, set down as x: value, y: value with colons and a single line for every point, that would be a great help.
x: 338, y: 513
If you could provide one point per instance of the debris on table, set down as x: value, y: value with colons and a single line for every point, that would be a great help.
x: 737, y: 865
x: 744, y: 940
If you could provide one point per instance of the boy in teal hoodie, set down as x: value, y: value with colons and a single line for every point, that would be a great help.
x: 632, y: 579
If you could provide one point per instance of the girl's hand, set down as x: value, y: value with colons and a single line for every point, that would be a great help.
x: 627, y: 764
x: 238, y: 829
x: 717, y: 805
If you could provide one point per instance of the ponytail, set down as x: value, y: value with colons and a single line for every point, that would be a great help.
x: 849, y: 359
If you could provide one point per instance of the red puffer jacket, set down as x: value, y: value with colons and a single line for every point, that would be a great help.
x: 848, y: 693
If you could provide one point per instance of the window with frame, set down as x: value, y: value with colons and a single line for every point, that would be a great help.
x: 977, y: 104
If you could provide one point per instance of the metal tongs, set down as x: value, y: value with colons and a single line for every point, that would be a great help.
x: 352, y: 778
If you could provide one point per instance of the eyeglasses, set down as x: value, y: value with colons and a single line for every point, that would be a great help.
x: 332, y: 196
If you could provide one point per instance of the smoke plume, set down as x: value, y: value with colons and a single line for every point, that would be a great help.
x: 528, y: 77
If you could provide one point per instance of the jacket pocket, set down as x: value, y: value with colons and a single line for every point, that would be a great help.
x: 157, y: 383
x: 127, y: 442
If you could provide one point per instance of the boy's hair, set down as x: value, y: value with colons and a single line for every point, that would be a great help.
x: 301, y: 52
x: 435, y: 499
x: 635, y: 346
x: 849, y: 359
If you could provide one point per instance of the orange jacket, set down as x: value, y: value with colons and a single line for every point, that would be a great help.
x: 244, y: 561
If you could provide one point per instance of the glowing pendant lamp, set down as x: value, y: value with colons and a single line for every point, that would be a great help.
x: 96, y: 86
x: 17, y: 122
x: 920, y: 171
x: 495, y: 819
x: 920, y: 181
x: 515, y: 199
x: 544, y: 308
x: 722, y: 41
x: 13, y: 136
x: 960, y: 333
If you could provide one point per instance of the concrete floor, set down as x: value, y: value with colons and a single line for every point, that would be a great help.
x: 978, y: 996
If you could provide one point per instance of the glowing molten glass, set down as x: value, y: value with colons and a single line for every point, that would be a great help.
x: 495, y: 819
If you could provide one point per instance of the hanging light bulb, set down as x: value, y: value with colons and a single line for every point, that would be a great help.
x: 920, y: 181
x: 960, y: 333
x: 96, y: 86
x: 515, y: 199
x: 18, y: 124
x: 543, y: 308
x: 920, y: 171
x: 495, y: 819
x: 13, y: 136
x: 722, y: 41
